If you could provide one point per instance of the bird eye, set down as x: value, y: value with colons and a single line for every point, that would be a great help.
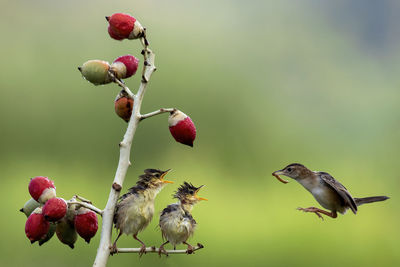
x: 191, y: 192
x: 289, y: 169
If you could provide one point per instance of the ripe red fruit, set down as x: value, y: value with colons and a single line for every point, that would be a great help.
x: 123, y: 106
x: 124, y: 26
x: 86, y: 223
x: 42, y: 189
x: 54, y: 209
x: 182, y: 127
x: 36, y: 227
x: 125, y: 66
x: 114, y: 35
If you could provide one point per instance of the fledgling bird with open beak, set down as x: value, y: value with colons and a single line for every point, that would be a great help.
x: 135, y: 209
x: 176, y: 221
x: 329, y: 193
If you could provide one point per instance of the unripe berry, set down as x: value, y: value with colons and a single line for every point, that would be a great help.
x: 123, y: 105
x: 86, y: 223
x: 96, y: 71
x: 125, y: 66
x: 182, y: 127
x: 30, y: 206
x: 42, y: 189
x: 49, y: 234
x: 66, y: 232
x: 54, y: 209
x: 124, y: 26
x: 36, y: 226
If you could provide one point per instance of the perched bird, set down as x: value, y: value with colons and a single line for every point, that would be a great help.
x: 176, y: 221
x: 329, y: 193
x: 135, y: 209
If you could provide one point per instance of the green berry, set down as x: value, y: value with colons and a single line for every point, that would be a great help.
x: 96, y: 71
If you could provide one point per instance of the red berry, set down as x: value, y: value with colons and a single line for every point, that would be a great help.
x: 54, y: 209
x: 36, y: 226
x: 86, y: 224
x: 125, y: 66
x: 41, y: 189
x: 114, y: 35
x: 124, y: 26
x: 123, y: 106
x: 182, y: 128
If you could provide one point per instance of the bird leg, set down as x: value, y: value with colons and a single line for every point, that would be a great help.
x: 317, y: 211
x: 142, y: 248
x: 161, y: 250
x: 113, y: 248
x: 190, y: 248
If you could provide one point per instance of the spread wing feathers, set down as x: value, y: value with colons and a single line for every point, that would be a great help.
x: 340, y: 189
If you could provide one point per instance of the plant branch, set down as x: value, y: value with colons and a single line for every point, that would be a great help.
x: 103, y: 252
x: 121, y: 84
x: 86, y: 205
x: 156, y: 250
x: 160, y: 111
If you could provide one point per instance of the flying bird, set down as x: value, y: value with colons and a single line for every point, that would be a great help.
x: 329, y: 193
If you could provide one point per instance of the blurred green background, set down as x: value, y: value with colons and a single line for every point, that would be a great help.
x: 267, y: 83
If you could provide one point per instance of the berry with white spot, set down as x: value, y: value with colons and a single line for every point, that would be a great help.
x: 124, y: 26
x: 54, y: 209
x: 86, y: 223
x: 125, y: 66
x: 36, y: 227
x: 182, y: 127
x: 42, y: 189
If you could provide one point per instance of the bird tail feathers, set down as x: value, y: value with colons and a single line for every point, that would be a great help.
x: 365, y: 200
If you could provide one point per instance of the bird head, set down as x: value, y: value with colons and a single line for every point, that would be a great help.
x: 153, y: 178
x: 294, y: 170
x: 187, y: 193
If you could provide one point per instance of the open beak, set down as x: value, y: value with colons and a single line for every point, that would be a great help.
x: 196, y: 196
x: 277, y: 173
x: 165, y: 181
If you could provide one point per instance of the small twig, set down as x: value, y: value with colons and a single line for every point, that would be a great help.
x: 160, y: 111
x: 83, y: 199
x: 121, y: 84
x: 86, y: 205
x: 156, y: 250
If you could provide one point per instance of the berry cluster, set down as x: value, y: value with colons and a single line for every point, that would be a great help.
x: 123, y: 26
x: 48, y: 214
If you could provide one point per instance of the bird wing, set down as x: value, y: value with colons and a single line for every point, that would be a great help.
x: 340, y: 189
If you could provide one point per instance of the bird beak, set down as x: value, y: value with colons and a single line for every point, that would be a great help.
x: 165, y: 181
x: 277, y: 173
x: 200, y: 198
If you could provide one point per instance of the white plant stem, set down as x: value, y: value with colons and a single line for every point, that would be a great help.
x: 103, y: 251
x: 160, y: 111
x: 86, y: 205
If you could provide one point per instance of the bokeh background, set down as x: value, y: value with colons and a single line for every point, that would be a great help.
x: 267, y: 83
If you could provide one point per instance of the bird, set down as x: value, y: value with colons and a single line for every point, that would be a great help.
x: 329, y: 193
x: 176, y: 221
x: 135, y: 209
